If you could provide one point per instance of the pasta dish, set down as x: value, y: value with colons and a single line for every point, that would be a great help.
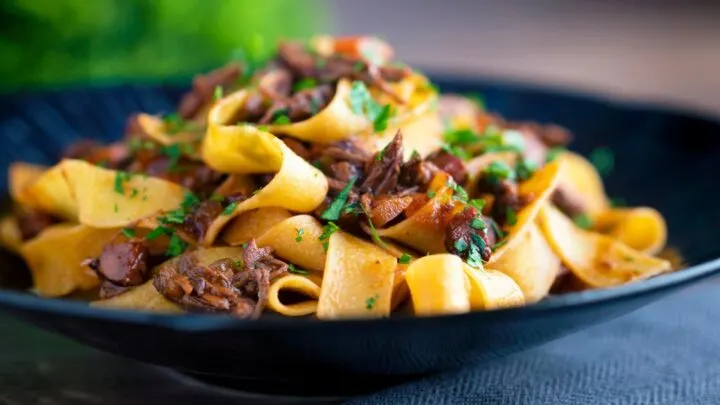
x: 325, y: 180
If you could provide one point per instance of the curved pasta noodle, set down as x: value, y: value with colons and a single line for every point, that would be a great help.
x: 583, y: 182
x: 358, y: 279
x: 641, y: 228
x: 438, y: 285
x: 46, y: 190
x: 156, y: 129
x: 526, y: 256
x: 297, y: 284
x: 252, y: 224
x: 492, y: 289
x: 141, y: 298
x: 598, y: 260
x: 108, y: 199
x: 10, y: 235
x: 55, y: 257
x: 245, y: 149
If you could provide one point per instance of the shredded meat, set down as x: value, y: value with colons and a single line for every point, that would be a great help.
x: 275, y: 82
x: 567, y: 202
x: 222, y: 286
x: 193, y: 175
x: 450, y: 164
x: 508, y: 198
x: 123, y: 263
x: 298, y: 147
x: 550, y: 134
x: 459, y: 229
x: 344, y: 171
x: 198, y: 221
x: 383, y: 171
x: 417, y: 172
x: 386, y: 208
x: 346, y: 150
x: 301, y: 105
x: 32, y: 222
x: 204, y: 87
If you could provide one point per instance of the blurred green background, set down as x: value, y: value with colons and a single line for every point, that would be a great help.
x: 63, y: 42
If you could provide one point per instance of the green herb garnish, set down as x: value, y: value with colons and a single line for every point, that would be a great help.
x: 603, y: 159
x: 404, y: 259
x: 329, y: 229
x: 499, y: 170
x: 371, y: 301
x: 218, y: 93
x: 461, y: 137
x: 282, y: 120
x: 159, y: 231
x: 176, y: 247
x: 431, y: 194
x: 582, y: 221
x: 304, y: 84
x: 230, y: 208
x: 362, y: 103
x: 553, y: 153
x: 300, y: 232
x: 128, y: 233
x: 477, y: 203
x: 478, y: 223
x: 459, y: 192
x: 294, y: 270
x: 120, y: 178
x: 460, y: 245
x: 525, y: 168
x: 510, y: 216
x: 332, y: 213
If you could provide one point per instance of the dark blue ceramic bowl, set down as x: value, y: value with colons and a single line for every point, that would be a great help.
x: 663, y: 158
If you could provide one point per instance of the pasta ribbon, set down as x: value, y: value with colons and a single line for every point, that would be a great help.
x: 141, y: 298
x: 55, y: 257
x: 582, y: 181
x: 10, y: 235
x: 526, y: 256
x: 296, y: 284
x: 358, y: 279
x: 43, y: 189
x: 438, y: 285
x: 598, y: 260
x: 109, y: 199
x: 492, y: 289
x: 244, y: 150
x: 641, y: 228
x: 252, y: 224
x: 156, y: 129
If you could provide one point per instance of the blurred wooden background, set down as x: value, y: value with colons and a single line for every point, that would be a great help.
x: 667, y: 51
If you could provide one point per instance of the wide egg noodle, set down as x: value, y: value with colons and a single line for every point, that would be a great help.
x: 583, y: 183
x: 598, y: 260
x: 142, y: 298
x: 492, y: 289
x: 156, y: 129
x: 297, y: 284
x: 438, y: 285
x: 146, y: 298
x: 100, y: 204
x: 526, y: 255
x: 10, y: 235
x: 358, y: 279
x: 252, y: 224
x: 641, y: 228
x: 55, y: 257
x: 297, y: 186
x: 46, y: 190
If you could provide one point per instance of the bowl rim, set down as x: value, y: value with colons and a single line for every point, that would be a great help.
x: 23, y: 301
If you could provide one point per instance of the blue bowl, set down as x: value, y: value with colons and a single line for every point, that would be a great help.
x: 665, y: 159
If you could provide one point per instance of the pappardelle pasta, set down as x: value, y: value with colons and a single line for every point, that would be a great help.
x: 331, y: 181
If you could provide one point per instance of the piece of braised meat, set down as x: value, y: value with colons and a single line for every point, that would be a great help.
x: 468, y: 230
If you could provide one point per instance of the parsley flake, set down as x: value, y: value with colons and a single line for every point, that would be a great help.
x: 371, y: 301
x: 115, y: 207
x: 158, y: 232
x: 460, y: 245
x: 230, y: 208
x: 300, y: 232
x: 603, y: 159
x: 120, y: 179
x: 461, y: 137
x: 294, y: 270
x: 218, y: 93
x: 128, y: 233
x: 582, y: 221
x: 478, y: 223
x: 477, y: 203
x: 510, y: 216
x: 176, y: 247
x: 553, y: 153
x: 332, y: 213
x: 282, y: 120
x: 431, y: 194
x: 362, y: 103
x: 328, y: 230
x: 304, y: 84
x: 405, y: 259
x: 499, y: 170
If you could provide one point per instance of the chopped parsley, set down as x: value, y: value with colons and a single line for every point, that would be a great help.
x: 431, y: 194
x: 332, y: 213
x: 230, y: 208
x: 478, y: 223
x: 174, y: 152
x: 218, y: 93
x: 176, y: 247
x: 405, y: 259
x: 459, y: 192
x: 358, y: 67
x: 553, y: 153
x: 461, y: 137
x: 294, y: 270
x: 304, y: 84
x: 603, y: 159
x: 373, y: 232
x: 329, y: 229
x: 582, y: 221
x: 525, y: 168
x: 217, y: 198
x: 460, y: 245
x: 456, y: 151
x: 128, y: 233
x: 371, y: 301
x: 510, y: 216
x: 174, y: 123
x: 362, y: 103
x: 300, y: 232
x: 133, y: 192
x: 158, y: 232
x: 115, y: 207
x: 499, y: 170
x: 499, y: 234
x: 120, y: 179
x: 477, y: 203
x: 282, y: 120
x: 477, y: 245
